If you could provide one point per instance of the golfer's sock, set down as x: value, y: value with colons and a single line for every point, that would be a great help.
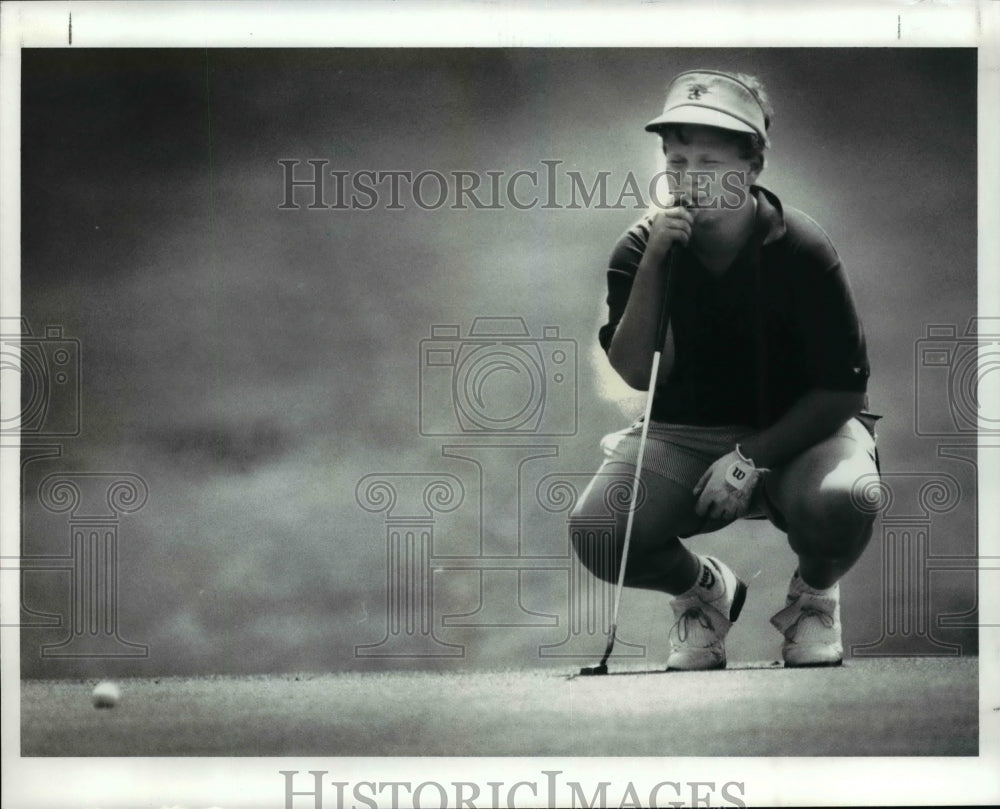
x: 709, y: 585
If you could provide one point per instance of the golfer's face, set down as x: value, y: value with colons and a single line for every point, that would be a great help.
x: 708, y: 169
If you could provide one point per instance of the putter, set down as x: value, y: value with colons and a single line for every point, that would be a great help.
x: 661, y: 336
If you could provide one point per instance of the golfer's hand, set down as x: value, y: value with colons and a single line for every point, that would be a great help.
x: 668, y: 226
x: 725, y: 489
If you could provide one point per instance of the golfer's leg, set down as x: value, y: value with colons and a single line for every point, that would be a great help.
x: 816, y: 493
x: 656, y: 558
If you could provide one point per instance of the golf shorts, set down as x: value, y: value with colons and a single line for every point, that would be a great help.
x: 679, y: 452
x: 682, y: 452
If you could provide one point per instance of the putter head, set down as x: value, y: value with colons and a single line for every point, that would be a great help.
x: 588, y: 671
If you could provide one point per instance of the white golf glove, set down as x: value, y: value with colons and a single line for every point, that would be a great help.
x: 725, y: 490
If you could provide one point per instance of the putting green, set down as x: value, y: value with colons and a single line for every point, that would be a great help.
x: 872, y: 707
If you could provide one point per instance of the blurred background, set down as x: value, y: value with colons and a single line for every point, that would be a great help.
x: 360, y: 430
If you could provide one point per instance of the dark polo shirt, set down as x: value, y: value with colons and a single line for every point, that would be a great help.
x: 749, y: 343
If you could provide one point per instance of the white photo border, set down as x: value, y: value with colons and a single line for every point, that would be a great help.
x: 248, y: 782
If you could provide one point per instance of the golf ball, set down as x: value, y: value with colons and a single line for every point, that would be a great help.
x: 106, y: 695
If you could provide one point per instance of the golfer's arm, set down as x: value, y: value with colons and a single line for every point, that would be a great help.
x: 634, y: 341
x: 812, y: 418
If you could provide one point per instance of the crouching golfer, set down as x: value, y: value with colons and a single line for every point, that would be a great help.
x: 760, y: 398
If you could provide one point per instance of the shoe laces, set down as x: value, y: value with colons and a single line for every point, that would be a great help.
x: 805, y: 606
x: 809, y: 611
x: 693, y: 614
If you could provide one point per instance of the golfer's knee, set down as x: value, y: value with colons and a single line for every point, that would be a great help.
x: 829, y: 523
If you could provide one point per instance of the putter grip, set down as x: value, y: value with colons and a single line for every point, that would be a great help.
x: 664, y: 320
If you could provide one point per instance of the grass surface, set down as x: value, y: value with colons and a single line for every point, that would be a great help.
x: 872, y: 707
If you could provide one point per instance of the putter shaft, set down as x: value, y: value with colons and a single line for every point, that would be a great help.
x: 661, y: 337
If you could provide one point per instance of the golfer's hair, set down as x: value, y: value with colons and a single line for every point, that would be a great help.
x: 750, y: 144
x: 757, y: 88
